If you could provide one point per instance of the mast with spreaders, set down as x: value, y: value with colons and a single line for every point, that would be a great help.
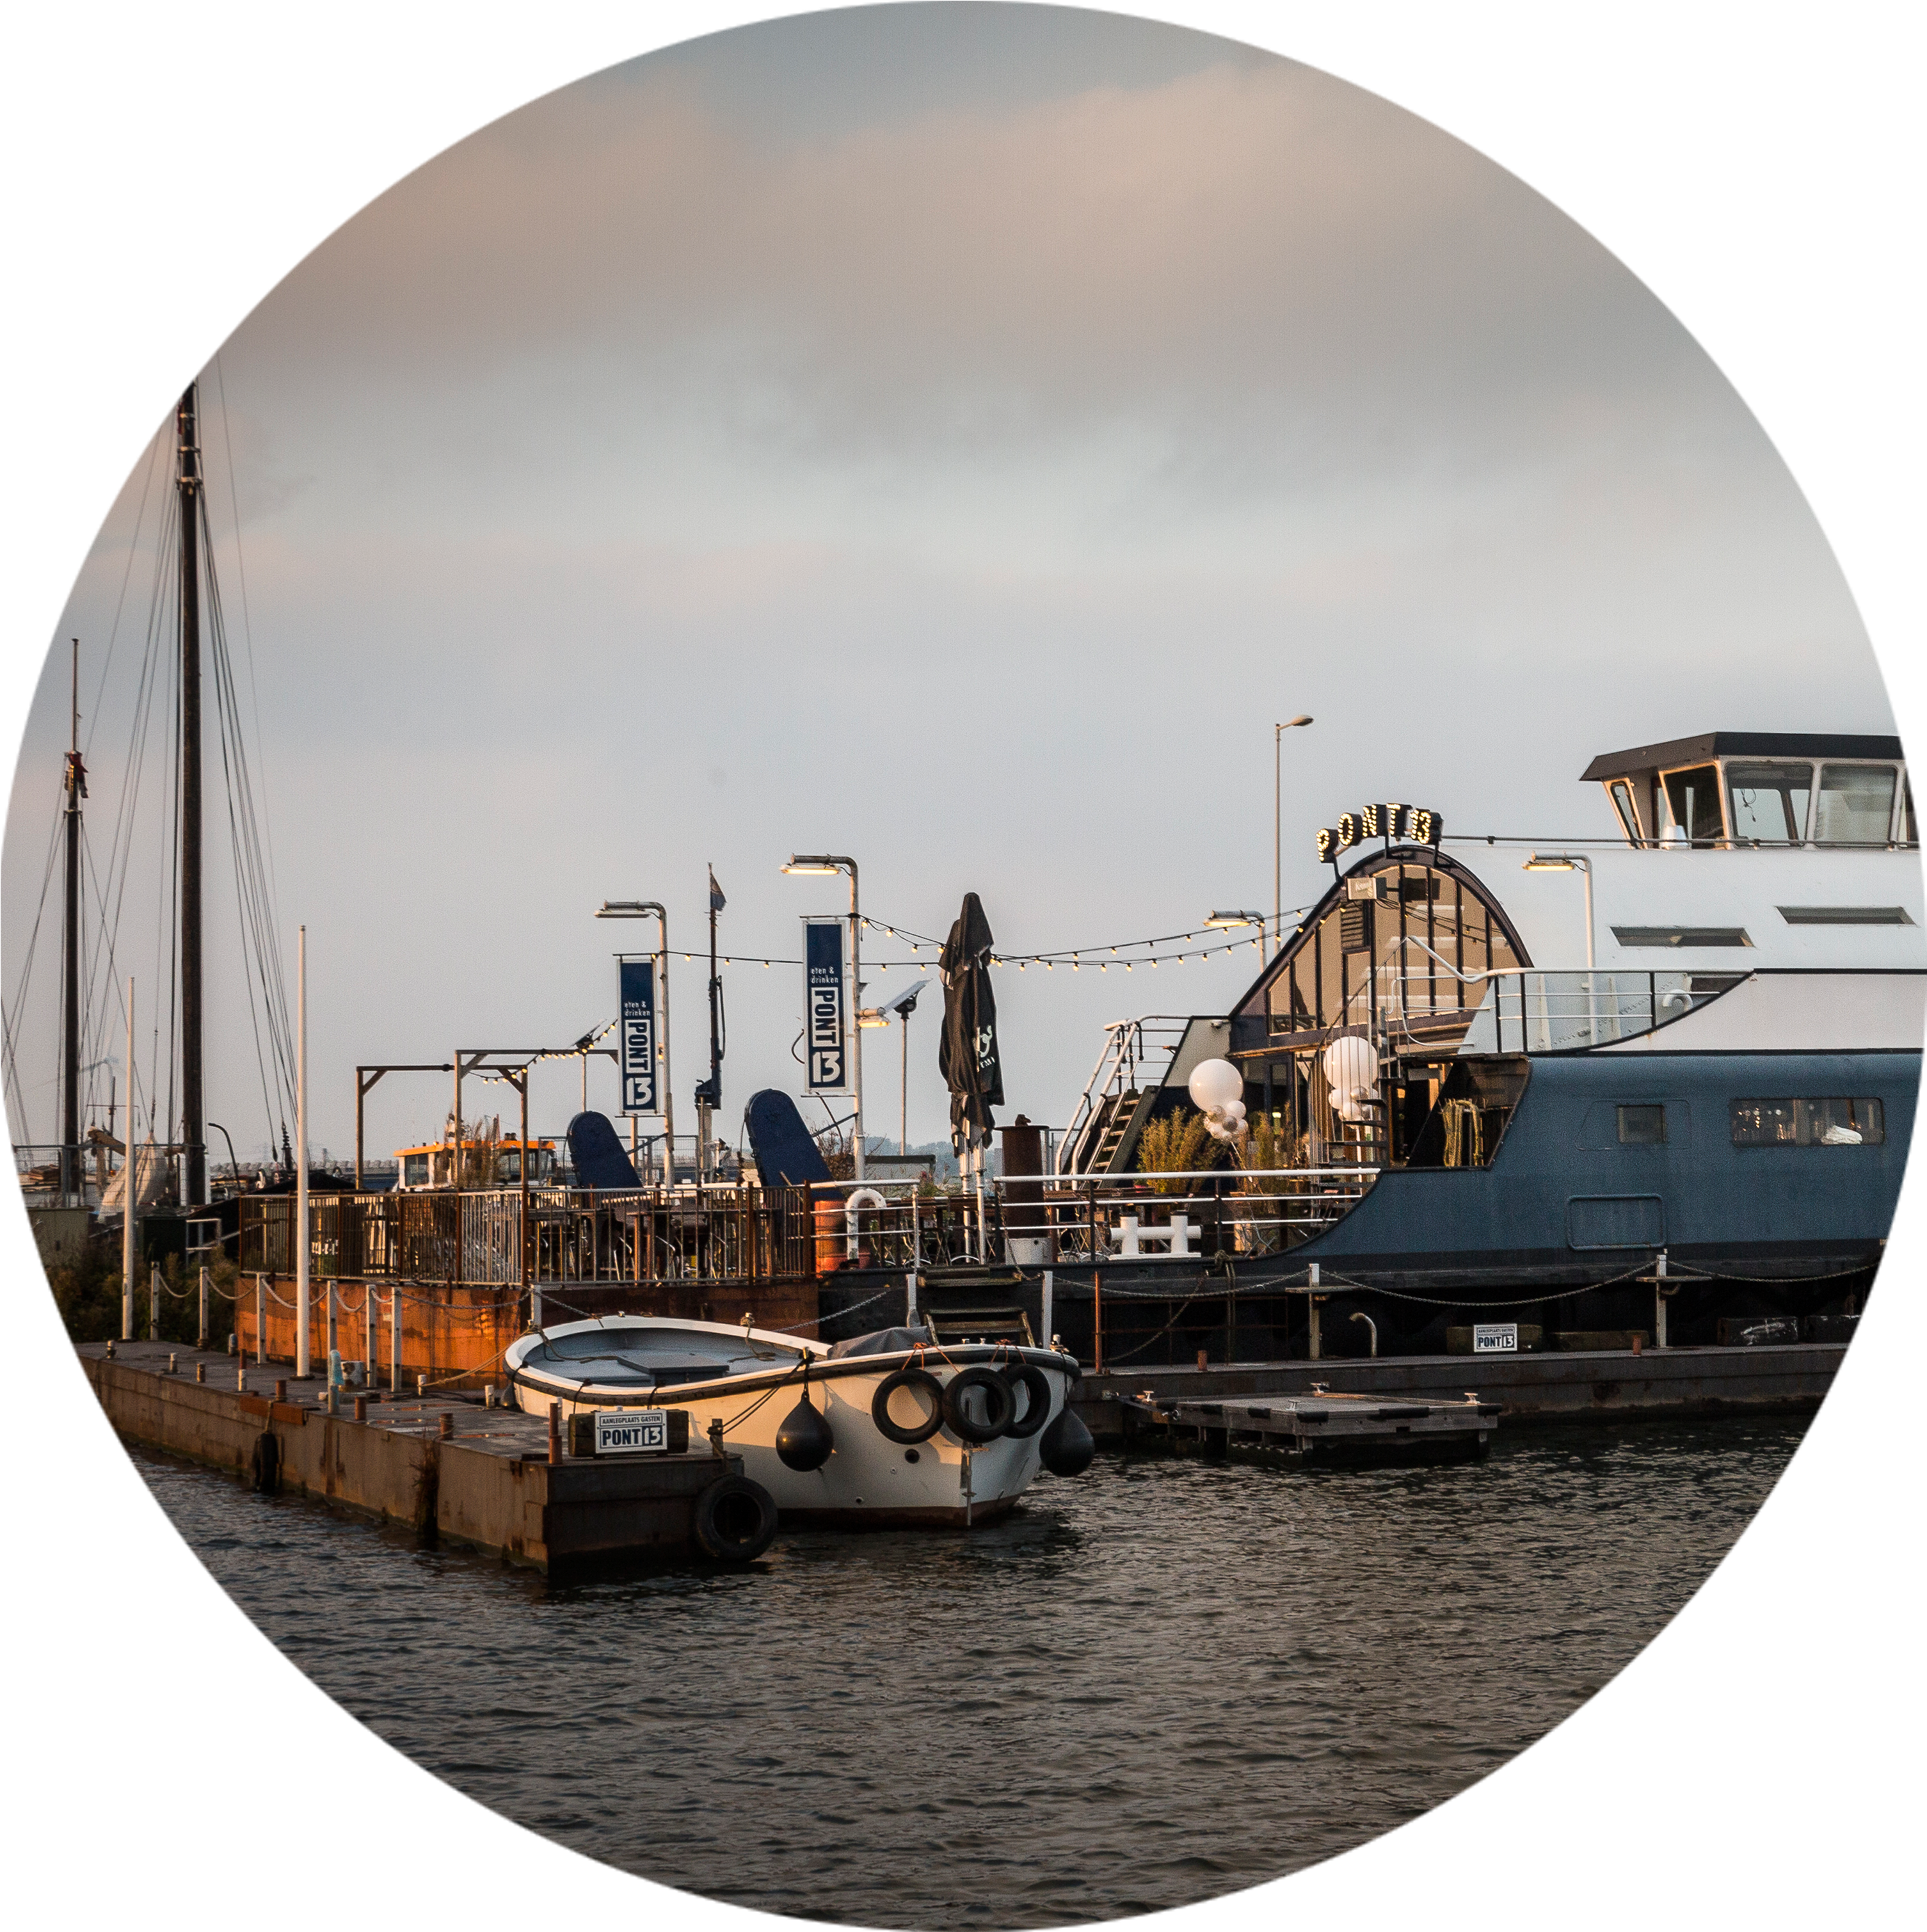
x: 70, y: 1169
x: 193, y: 1105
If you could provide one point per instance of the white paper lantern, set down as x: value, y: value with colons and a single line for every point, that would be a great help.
x: 1214, y: 1085
x: 1352, y: 1072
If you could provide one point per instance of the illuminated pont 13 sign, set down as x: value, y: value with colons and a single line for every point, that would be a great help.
x: 1411, y: 822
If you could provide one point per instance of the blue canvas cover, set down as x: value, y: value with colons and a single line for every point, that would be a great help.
x: 786, y: 1155
x: 600, y: 1158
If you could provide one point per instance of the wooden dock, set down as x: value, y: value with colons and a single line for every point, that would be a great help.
x: 441, y: 1463
x: 1320, y: 1427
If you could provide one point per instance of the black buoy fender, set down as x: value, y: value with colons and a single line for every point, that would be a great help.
x: 735, y: 1519
x: 806, y: 1439
x: 1035, y: 1385
x: 1067, y: 1447
x: 999, y: 1405
x: 926, y: 1385
x: 266, y: 1465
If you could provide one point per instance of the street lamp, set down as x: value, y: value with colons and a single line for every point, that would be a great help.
x: 1277, y: 820
x: 903, y: 1006
x: 1224, y: 922
x: 652, y: 909
x: 1573, y: 862
x: 826, y: 865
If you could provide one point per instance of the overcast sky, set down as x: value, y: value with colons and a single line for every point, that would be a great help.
x: 952, y: 435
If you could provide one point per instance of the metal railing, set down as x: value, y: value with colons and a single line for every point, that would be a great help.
x: 1527, y: 1012
x: 1135, y: 1052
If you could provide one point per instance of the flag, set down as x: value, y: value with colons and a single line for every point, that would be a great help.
x: 717, y: 902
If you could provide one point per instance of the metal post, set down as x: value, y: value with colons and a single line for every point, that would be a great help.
x: 1659, y: 1301
x: 260, y: 1318
x: 130, y: 1188
x: 1049, y: 1308
x: 201, y: 1340
x: 154, y: 1303
x: 1311, y: 1303
x: 857, y: 1018
x: 394, y: 1337
x: 194, y: 1113
x: 302, y: 1350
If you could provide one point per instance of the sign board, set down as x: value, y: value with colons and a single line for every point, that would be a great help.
x: 1415, y: 824
x: 631, y: 1432
x: 1495, y: 1338
x: 825, y: 1006
x: 638, y: 1037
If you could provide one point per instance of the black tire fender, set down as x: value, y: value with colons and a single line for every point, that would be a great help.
x: 735, y: 1519
x: 266, y: 1465
x: 997, y: 1397
x: 1036, y: 1384
x: 926, y: 1385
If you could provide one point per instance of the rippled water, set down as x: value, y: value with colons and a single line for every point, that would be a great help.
x: 1165, y: 1681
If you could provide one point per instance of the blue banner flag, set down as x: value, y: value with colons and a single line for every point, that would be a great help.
x: 826, y: 1008
x: 639, y: 1033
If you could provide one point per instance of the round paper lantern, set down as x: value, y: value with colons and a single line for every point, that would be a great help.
x: 1214, y: 1085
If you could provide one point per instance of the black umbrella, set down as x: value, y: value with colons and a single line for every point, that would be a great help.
x: 968, y: 1057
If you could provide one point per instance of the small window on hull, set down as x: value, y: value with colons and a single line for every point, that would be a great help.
x: 1835, y: 1121
x: 1643, y: 1126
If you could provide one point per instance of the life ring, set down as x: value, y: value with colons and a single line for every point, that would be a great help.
x: 735, y: 1519
x: 1028, y: 1377
x: 999, y: 1399
x: 926, y: 1383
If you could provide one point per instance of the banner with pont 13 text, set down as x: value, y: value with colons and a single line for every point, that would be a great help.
x: 638, y: 1037
x: 825, y: 1006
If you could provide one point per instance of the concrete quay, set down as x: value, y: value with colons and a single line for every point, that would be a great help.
x: 440, y: 1463
x: 1579, y: 1385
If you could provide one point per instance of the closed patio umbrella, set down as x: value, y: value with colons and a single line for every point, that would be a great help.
x: 968, y: 1057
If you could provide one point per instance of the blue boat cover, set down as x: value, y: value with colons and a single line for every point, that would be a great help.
x: 600, y: 1158
x: 786, y: 1155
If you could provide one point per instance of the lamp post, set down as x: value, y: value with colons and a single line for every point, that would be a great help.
x: 1574, y: 861
x: 1278, y: 824
x: 652, y: 909
x: 823, y: 864
x: 903, y: 1006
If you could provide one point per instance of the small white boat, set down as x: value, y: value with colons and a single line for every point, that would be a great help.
x: 887, y: 1429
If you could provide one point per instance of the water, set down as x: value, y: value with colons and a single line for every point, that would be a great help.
x: 1167, y: 1680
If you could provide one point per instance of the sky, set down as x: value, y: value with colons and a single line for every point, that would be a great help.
x: 952, y: 435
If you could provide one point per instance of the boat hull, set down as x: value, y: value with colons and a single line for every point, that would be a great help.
x: 867, y: 1479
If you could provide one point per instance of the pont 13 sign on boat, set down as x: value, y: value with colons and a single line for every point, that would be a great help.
x: 1495, y: 1338
x: 825, y: 1006
x: 631, y: 1432
x: 639, y: 1037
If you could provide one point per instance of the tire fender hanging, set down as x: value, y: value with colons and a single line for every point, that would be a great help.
x: 926, y: 1385
x: 998, y: 1400
x: 735, y: 1519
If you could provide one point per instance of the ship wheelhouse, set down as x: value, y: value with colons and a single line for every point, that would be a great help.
x: 1742, y: 789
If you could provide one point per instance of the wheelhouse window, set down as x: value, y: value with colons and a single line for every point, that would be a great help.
x: 1855, y: 804
x: 415, y: 1170
x: 1625, y: 804
x: 1769, y: 801
x: 1908, y: 836
x: 1693, y: 796
x: 1832, y: 1122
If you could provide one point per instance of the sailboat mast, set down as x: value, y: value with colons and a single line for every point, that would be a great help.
x: 70, y: 1059
x: 193, y: 1105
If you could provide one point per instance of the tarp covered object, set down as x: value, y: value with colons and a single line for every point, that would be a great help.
x: 600, y: 1159
x: 967, y: 1056
x: 787, y: 1156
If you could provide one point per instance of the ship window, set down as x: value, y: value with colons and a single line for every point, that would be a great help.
x: 1908, y: 836
x: 1855, y: 804
x: 1621, y: 793
x: 1769, y: 801
x: 415, y: 1170
x: 1643, y: 1126
x: 1693, y: 796
x: 1837, y: 1122
x: 1681, y: 935
x: 1845, y: 916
